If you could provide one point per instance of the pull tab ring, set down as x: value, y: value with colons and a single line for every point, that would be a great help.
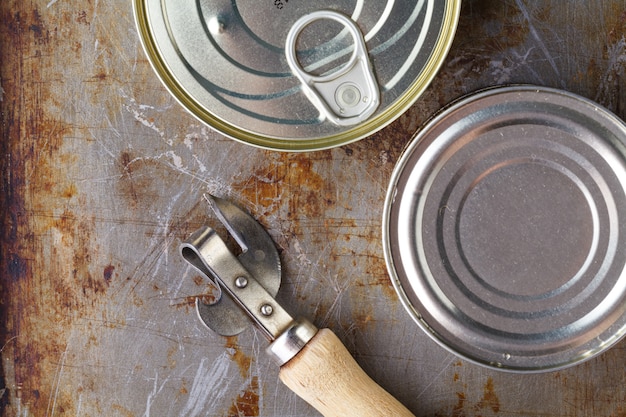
x: 348, y: 96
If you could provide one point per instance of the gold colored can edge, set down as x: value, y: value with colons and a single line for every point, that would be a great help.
x: 361, y: 131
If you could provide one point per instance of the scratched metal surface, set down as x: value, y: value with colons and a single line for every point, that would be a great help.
x: 102, y: 173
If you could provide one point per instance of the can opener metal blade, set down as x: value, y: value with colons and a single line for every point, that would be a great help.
x: 313, y: 363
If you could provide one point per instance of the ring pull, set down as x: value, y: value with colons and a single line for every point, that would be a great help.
x: 348, y: 96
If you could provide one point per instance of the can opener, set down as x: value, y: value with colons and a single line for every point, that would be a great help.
x: 313, y: 363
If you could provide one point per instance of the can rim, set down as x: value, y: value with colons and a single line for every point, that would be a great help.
x: 380, y: 121
x: 391, y: 262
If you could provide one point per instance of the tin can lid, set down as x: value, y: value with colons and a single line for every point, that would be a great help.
x: 227, y: 62
x: 505, y: 231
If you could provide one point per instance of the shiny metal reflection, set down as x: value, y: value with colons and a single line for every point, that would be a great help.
x: 225, y: 62
x: 504, y: 229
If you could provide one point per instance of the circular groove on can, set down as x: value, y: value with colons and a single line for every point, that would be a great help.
x: 225, y: 63
x: 504, y: 228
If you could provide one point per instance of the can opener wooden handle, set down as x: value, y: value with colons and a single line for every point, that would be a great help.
x: 313, y: 363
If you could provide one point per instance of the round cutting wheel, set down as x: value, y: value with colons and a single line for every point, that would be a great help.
x: 505, y: 229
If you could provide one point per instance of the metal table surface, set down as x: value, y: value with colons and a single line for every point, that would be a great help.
x: 102, y: 174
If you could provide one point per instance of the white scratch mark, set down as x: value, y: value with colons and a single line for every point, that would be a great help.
x: 5, y: 345
x: 505, y: 73
x: 52, y: 403
x: 80, y: 405
x: 208, y: 385
x: 163, y: 229
x: 188, y: 141
x: 301, y: 255
x: 51, y: 3
x: 433, y: 380
x: 19, y: 409
x: 538, y: 38
x: 146, y: 121
x: 201, y: 166
x: 94, y: 17
x: 339, y: 286
x: 177, y: 160
x: 155, y: 391
x: 137, y: 110
x: 384, y: 157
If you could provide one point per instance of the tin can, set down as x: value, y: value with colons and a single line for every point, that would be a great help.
x: 505, y: 228
x: 296, y: 76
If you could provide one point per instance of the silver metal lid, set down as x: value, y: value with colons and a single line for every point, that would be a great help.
x: 227, y: 63
x: 505, y: 228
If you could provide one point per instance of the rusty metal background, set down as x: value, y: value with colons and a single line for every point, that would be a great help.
x: 102, y: 173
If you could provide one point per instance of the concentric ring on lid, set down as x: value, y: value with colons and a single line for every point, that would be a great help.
x: 505, y: 228
x: 225, y: 62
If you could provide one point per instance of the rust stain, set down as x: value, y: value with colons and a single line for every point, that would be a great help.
x: 488, y: 404
x: 207, y: 293
x: 81, y: 17
x: 620, y: 412
x: 489, y: 400
x: 171, y: 356
x: 242, y: 360
x: 247, y: 403
x: 76, y: 235
x: 122, y: 411
x: 198, y: 280
x: 617, y: 25
x: 290, y: 177
x: 41, y: 297
x: 142, y: 181
x: 595, y: 386
x: 70, y: 191
x: 47, y: 267
x: 363, y: 320
x: 298, y: 190
x: 189, y: 303
x: 561, y: 377
x: 378, y: 278
x: 137, y: 183
x: 129, y: 184
x: 459, y: 408
x: 208, y: 298
x: 183, y: 389
x: 377, y: 269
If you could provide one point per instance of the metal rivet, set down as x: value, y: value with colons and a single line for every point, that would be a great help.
x: 267, y: 310
x: 241, y: 282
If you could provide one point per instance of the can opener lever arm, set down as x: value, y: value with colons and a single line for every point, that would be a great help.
x: 313, y: 363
